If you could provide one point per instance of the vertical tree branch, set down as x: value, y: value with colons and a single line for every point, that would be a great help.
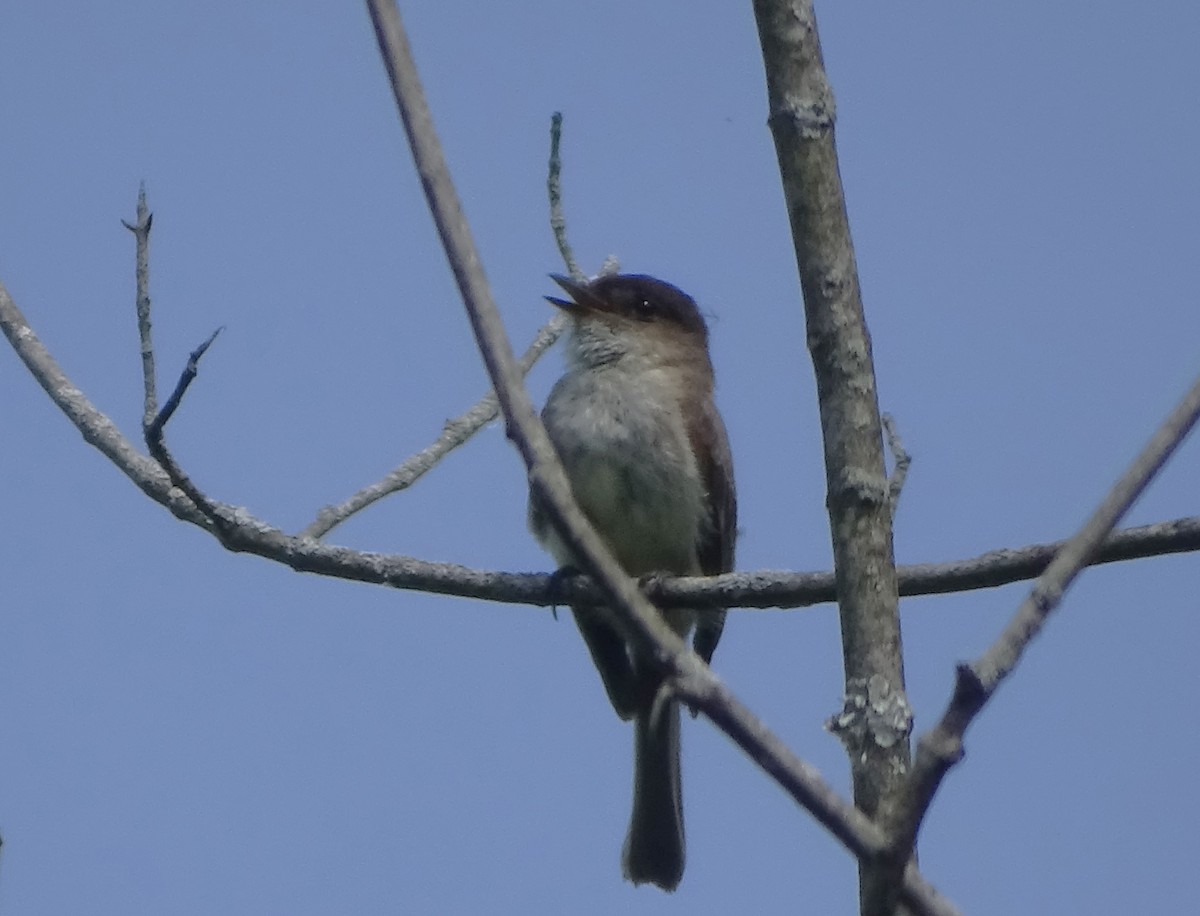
x: 877, y: 718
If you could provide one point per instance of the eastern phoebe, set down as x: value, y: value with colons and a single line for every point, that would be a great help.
x: 634, y: 423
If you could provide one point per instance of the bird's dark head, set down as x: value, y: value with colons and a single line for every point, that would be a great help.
x: 635, y: 298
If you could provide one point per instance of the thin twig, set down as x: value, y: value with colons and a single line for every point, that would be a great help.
x: 95, y: 427
x: 463, y: 427
x: 975, y: 684
x: 156, y: 443
x: 154, y: 429
x: 141, y: 232
x: 154, y: 420
x: 455, y: 432
x: 558, y: 220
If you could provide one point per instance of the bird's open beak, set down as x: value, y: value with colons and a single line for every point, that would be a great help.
x: 582, y: 298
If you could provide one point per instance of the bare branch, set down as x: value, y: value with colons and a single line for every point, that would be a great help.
x: 778, y: 589
x: 1017, y: 564
x: 153, y: 421
x: 976, y: 683
x: 697, y: 685
x: 766, y: 589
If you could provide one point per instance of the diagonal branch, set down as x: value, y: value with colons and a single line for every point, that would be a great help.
x: 975, y: 684
x: 546, y: 476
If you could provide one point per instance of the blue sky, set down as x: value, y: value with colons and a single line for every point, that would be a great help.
x: 187, y: 731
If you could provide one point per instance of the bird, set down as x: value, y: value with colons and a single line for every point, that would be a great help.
x: 637, y: 430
